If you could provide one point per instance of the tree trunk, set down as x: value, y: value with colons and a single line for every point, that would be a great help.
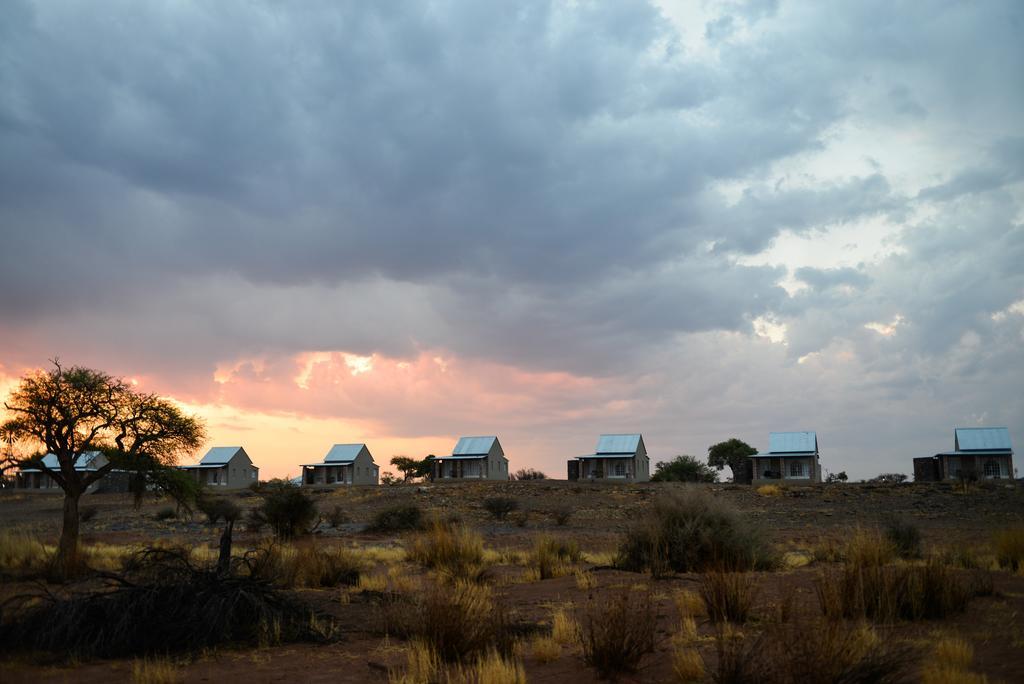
x: 67, y: 563
x: 224, y: 559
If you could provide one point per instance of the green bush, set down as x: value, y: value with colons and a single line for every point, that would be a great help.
x: 288, y: 510
x: 684, y: 469
x: 217, y: 508
x: 691, y: 532
x: 399, y: 518
x: 500, y: 506
x: 906, y: 538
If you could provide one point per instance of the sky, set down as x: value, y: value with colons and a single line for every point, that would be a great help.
x: 398, y: 223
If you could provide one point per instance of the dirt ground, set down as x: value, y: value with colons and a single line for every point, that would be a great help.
x: 797, y: 520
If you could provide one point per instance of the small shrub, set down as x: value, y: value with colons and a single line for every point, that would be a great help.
x: 691, y: 533
x: 288, y: 510
x: 308, y: 566
x: 889, y: 478
x: 737, y: 661
x: 689, y: 603
x: 528, y: 474
x: 217, y: 508
x: 87, y: 513
x: 401, y: 518
x: 337, y: 516
x: 455, y: 551
x: 500, y: 506
x: 904, y: 537
x: 950, y: 663
x: 554, y: 557
x: 459, y: 622
x: 561, y: 515
x: 769, y: 490
x: 166, y: 513
x: 684, y: 469
x: 617, y: 632
x: 1009, y: 548
x: 585, y: 581
x: 727, y: 596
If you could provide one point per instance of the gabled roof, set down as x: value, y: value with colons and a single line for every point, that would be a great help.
x: 343, y: 453
x: 618, y: 444
x: 84, y: 462
x: 793, y: 442
x: 474, y: 446
x: 218, y: 456
x: 981, y: 439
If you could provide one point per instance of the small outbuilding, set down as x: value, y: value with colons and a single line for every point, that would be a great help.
x: 344, y: 464
x: 473, y: 458
x: 224, y: 467
x: 616, y: 457
x: 791, y: 456
x: 978, y: 453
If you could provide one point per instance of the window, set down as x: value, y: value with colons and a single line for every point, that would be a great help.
x: 992, y: 469
x: 620, y: 469
x: 796, y: 469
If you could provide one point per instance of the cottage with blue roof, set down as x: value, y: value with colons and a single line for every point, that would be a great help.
x: 344, y: 464
x: 34, y: 475
x: 791, y: 456
x: 978, y: 453
x: 224, y: 468
x: 621, y: 457
x: 473, y: 458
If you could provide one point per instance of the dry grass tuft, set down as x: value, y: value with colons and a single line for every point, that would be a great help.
x: 565, y: 630
x: 21, y: 554
x: 453, y: 551
x: 155, y: 671
x: 689, y: 603
x: 1009, y: 548
x: 950, y: 663
x: 554, y: 557
x: 545, y: 649
x: 869, y: 548
x: 618, y: 631
x: 728, y: 596
x: 585, y: 581
x: 769, y: 490
x: 687, y: 665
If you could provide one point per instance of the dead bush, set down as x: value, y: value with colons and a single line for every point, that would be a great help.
x: 617, y: 631
x: 305, y: 566
x: 690, y: 533
x: 164, y: 604
x: 728, y: 596
x: 904, y: 537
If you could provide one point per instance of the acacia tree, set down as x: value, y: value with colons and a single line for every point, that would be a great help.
x: 733, y: 453
x: 410, y: 467
x: 70, y: 411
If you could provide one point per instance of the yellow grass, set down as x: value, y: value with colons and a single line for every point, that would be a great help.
x: 492, y: 669
x: 545, y: 649
x: 869, y: 548
x: 155, y: 672
x: 689, y: 603
x: 585, y: 581
x: 770, y: 490
x: 687, y: 665
x: 951, y: 658
x: 21, y: 552
x: 373, y: 582
x: 422, y: 666
x: 564, y: 628
x: 381, y: 554
x: 688, y: 628
x: 1009, y: 548
x: 401, y: 581
x: 796, y: 559
x: 600, y: 558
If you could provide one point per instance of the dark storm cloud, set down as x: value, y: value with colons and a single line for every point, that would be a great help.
x: 536, y: 182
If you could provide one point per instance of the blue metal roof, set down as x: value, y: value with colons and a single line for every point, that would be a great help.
x: 981, y: 439
x: 474, y: 446
x: 343, y: 453
x: 219, y: 455
x: 618, y: 444
x: 84, y: 462
x: 792, y: 442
